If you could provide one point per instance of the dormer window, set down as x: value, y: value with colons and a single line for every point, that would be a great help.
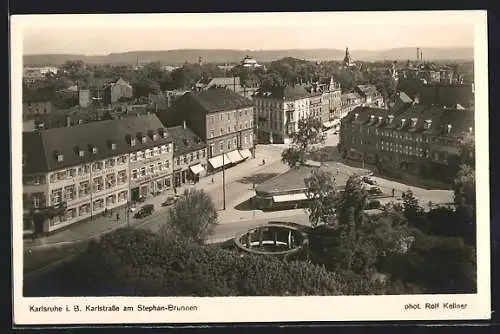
x: 414, y: 122
x: 155, y: 136
x: 59, y: 156
x: 448, y: 128
x: 132, y: 141
x: 428, y: 124
x: 81, y: 153
x: 113, y: 146
x: 164, y: 133
x: 356, y: 115
x: 390, y: 118
x: 143, y: 139
x: 380, y: 118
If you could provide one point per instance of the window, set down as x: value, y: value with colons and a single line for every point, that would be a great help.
x: 83, y: 189
x: 163, y: 149
x: 221, y: 117
x: 56, y: 196
x: 134, y: 174
x: 110, y: 163
x: 245, y: 139
x: 178, y: 161
x: 147, y: 153
x: 191, y: 157
x: 228, y: 129
x: 212, y: 147
x: 122, y: 196
x: 185, y: 159
x: 151, y: 169
x: 228, y: 116
x: 203, y: 153
x: 110, y: 180
x: 133, y: 156
x: 98, y: 204
x: 235, y: 142
x: 167, y: 164
x: 251, y: 123
x: 69, y: 193
x: 142, y: 171
x: 211, y: 135
x: 197, y: 155
x: 97, y: 165
x: 229, y: 144
x: 98, y: 184
x: 211, y: 119
x: 36, y: 200
x: 221, y: 146
x: 122, y: 176
x: 241, y: 126
x: 70, y: 213
x: 110, y: 200
x: 221, y: 131
x: 155, y: 151
x: 84, y: 209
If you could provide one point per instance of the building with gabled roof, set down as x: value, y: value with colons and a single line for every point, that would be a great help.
x: 222, y: 118
x: 73, y: 173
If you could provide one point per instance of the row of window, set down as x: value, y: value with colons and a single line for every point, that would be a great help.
x: 189, y: 158
x: 235, y: 128
x: 85, y: 209
x: 231, y: 143
x: 99, y: 183
x: 150, y: 170
x: 148, y: 153
x: 211, y: 118
x: 410, y: 136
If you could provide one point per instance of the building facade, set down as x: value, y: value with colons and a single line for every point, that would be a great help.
x: 277, y: 111
x: 73, y: 174
x: 118, y: 90
x: 349, y: 101
x: 370, y: 96
x: 190, y: 155
x: 33, y: 109
x: 418, y: 139
x: 221, y: 118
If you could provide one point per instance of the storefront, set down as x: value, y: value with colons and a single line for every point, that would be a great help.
x: 150, y: 186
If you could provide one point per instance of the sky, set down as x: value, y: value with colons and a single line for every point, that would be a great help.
x: 104, y: 34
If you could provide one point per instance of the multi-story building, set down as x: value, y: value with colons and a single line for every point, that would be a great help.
x: 330, y: 98
x: 419, y: 139
x: 349, y: 101
x: 220, y: 117
x: 72, y: 174
x: 370, y: 95
x: 277, y: 111
x: 117, y: 90
x: 190, y: 155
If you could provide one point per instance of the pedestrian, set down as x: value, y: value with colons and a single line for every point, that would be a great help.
x: 263, y: 161
x: 117, y: 216
x: 393, y: 191
x: 212, y: 179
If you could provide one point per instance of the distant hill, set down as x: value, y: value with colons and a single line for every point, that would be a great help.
x: 234, y: 56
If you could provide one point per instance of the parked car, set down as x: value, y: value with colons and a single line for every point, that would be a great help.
x: 141, y: 199
x: 170, y: 201
x: 145, y: 211
x: 374, y: 191
x: 369, y: 180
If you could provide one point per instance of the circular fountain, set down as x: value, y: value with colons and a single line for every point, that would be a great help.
x: 279, y: 240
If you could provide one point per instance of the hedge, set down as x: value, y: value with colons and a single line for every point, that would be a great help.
x: 138, y: 263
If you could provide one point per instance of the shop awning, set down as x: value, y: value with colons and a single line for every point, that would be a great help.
x: 245, y: 153
x: 197, y: 169
x: 289, y: 197
x: 216, y: 162
x: 235, y: 156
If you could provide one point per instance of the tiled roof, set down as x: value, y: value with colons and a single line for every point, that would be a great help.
x: 288, y: 93
x: 460, y: 120
x: 185, y: 140
x: 219, y: 99
x: 367, y: 90
x: 69, y: 140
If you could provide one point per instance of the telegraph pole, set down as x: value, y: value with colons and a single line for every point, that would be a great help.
x: 223, y: 183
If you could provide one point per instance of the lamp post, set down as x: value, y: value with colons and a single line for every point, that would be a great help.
x: 223, y: 183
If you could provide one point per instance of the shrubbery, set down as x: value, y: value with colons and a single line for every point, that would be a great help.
x: 134, y: 262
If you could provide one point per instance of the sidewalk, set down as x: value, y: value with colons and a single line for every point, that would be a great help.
x: 101, y: 225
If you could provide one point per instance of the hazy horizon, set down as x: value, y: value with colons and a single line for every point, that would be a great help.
x: 93, y: 35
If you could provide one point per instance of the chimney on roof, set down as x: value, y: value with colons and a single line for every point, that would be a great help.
x: 68, y: 121
x: 184, y: 124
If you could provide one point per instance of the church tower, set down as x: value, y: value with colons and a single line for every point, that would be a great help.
x: 347, y: 59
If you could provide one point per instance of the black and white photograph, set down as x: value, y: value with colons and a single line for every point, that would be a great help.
x: 250, y: 167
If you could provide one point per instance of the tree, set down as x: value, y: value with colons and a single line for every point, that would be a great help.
x: 464, y: 188
x: 322, y: 194
x: 411, y: 207
x: 308, y: 134
x: 193, y: 217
